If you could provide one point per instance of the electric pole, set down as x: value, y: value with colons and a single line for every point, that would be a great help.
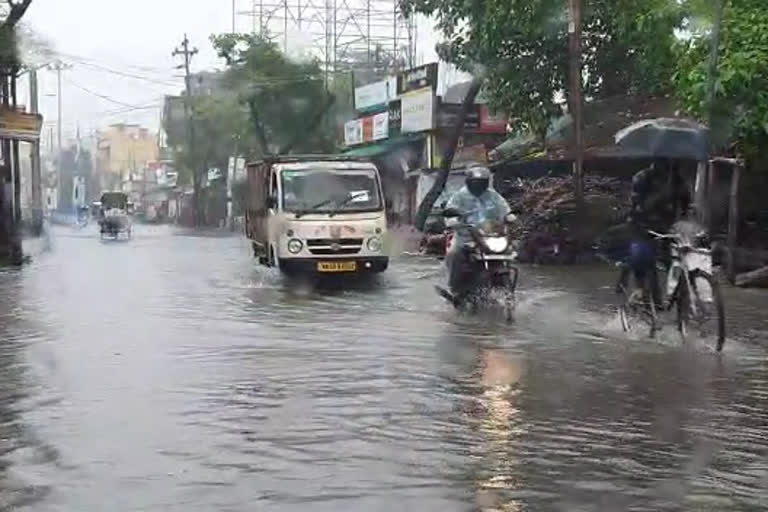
x: 714, y: 55
x: 59, y: 66
x: 187, y: 54
x: 574, y: 33
x: 37, y: 181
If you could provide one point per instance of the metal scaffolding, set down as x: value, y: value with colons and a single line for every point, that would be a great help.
x: 359, y: 35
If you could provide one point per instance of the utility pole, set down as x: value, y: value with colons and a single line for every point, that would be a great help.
x: 574, y: 33
x: 231, y: 171
x: 59, y: 66
x: 707, y: 171
x: 187, y: 53
x: 15, y: 159
x: 37, y: 181
x: 714, y: 56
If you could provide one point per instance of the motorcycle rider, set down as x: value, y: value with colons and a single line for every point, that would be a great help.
x: 660, y: 196
x: 476, y: 202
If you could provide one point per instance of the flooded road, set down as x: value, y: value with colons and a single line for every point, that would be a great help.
x: 171, y: 373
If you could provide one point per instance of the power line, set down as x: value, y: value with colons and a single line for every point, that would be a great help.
x: 95, y: 116
x: 147, y: 69
x: 102, y: 96
x: 106, y: 69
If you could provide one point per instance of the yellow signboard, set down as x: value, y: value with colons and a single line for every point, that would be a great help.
x: 20, y: 125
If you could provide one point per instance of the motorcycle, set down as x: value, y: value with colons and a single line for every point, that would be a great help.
x: 489, y: 271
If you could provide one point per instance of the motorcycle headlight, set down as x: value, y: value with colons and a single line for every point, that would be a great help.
x: 374, y: 244
x: 497, y: 244
x: 295, y: 245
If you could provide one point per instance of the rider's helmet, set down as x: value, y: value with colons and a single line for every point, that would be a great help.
x: 477, y: 179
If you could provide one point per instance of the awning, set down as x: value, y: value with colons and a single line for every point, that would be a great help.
x: 383, y: 147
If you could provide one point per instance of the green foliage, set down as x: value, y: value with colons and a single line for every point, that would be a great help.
x: 523, y: 45
x: 220, y: 125
x: 740, y: 108
x: 286, y: 94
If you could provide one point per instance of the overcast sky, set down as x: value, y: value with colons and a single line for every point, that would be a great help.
x: 120, y: 53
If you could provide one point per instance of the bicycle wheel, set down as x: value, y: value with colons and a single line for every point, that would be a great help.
x: 627, y: 307
x: 638, y: 308
x: 700, y: 307
x: 649, y: 308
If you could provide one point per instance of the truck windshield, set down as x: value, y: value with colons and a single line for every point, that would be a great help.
x: 330, y: 190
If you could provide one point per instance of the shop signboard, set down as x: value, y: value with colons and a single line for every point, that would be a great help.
x: 20, y: 125
x: 418, y: 78
x: 395, y: 116
x: 353, y: 132
x: 371, y: 95
x: 380, y: 126
x: 417, y: 110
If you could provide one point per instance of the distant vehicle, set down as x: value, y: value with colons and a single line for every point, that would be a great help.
x: 114, y: 219
x: 95, y: 209
x: 82, y: 216
x: 320, y: 214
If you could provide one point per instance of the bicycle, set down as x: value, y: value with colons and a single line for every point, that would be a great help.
x: 691, y: 288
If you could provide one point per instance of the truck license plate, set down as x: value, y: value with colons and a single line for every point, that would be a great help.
x: 337, y: 266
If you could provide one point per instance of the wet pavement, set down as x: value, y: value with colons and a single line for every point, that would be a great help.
x: 171, y: 373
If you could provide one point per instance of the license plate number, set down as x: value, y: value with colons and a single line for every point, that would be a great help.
x: 337, y: 266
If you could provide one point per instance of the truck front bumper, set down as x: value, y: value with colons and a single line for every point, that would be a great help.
x: 363, y: 265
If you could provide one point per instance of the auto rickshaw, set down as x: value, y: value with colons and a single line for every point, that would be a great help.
x: 114, y: 218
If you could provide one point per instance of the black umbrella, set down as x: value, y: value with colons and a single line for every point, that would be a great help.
x: 666, y: 138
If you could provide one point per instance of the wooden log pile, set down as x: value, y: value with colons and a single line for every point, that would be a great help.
x: 550, y: 230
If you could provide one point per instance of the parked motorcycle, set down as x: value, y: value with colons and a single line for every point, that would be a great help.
x: 490, y: 275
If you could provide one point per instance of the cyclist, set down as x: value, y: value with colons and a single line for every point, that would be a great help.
x: 660, y: 197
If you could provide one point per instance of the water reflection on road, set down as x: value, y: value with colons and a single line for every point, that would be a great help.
x: 170, y: 373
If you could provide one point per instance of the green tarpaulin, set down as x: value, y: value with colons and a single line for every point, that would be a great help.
x: 383, y: 147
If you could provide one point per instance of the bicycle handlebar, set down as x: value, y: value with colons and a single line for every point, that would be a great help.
x: 663, y: 236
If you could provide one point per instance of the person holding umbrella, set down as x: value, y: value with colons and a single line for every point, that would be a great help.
x: 660, y: 197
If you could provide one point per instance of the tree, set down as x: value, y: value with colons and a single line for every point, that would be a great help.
x: 740, y: 107
x: 523, y: 45
x: 282, y: 95
x: 264, y: 102
x: 11, y: 11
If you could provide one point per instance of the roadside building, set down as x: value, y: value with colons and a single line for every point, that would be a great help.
x: 123, y: 152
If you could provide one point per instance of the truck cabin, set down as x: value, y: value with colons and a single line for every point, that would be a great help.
x: 114, y: 200
x: 315, y: 185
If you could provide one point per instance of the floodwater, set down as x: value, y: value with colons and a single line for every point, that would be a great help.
x: 170, y: 373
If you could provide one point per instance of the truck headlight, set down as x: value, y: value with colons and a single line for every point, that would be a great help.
x: 374, y: 244
x: 295, y: 245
